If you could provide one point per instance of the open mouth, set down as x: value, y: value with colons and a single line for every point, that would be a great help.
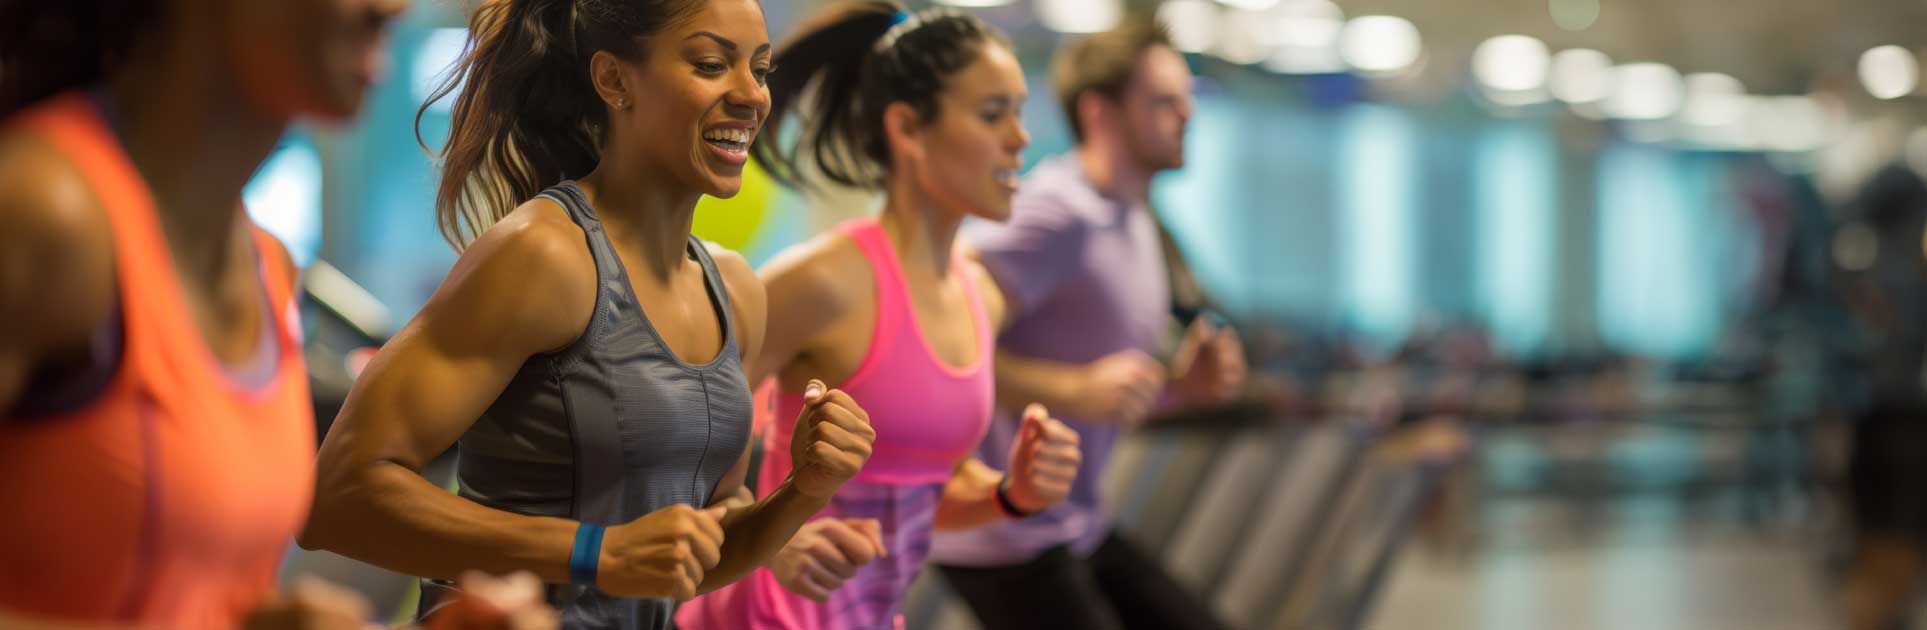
x: 732, y: 140
x: 1007, y: 177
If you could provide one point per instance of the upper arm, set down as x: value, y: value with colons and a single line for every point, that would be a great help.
x: 805, y: 296
x: 749, y: 308
x: 56, y: 262
x: 748, y: 302
x: 525, y: 287
x: 1030, y: 256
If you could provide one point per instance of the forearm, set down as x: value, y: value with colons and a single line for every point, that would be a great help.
x: 753, y: 534
x: 970, y: 497
x: 1024, y: 380
x: 391, y: 517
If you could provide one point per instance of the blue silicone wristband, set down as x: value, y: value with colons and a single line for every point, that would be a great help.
x: 587, y: 554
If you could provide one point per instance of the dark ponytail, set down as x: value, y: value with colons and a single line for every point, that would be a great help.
x: 527, y: 115
x: 843, y: 69
x: 50, y: 46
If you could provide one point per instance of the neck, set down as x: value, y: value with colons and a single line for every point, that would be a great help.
x: 923, y: 234
x: 195, y: 139
x: 654, y: 215
x: 1110, y: 168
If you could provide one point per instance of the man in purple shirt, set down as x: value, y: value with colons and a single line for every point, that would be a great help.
x: 1084, y: 271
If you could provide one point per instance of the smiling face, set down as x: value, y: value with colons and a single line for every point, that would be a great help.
x: 966, y: 159
x: 703, y: 96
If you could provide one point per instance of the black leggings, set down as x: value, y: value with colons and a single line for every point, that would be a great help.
x: 1117, y: 588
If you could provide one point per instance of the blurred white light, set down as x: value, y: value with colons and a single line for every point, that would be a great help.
x: 1889, y: 72
x: 974, y: 3
x: 285, y: 199
x: 1250, y: 5
x: 1379, y: 44
x: 1645, y: 91
x: 1714, y: 100
x: 1580, y: 75
x: 1241, y: 37
x: 1301, y: 60
x: 1193, y: 23
x: 1305, y: 36
x: 1511, y: 63
x: 1304, y: 23
x: 1786, y: 123
x: 1080, y: 16
x: 432, y: 62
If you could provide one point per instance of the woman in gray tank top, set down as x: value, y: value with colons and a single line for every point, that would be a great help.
x: 586, y: 352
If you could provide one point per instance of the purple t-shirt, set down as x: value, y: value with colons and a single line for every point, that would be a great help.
x: 1087, y: 278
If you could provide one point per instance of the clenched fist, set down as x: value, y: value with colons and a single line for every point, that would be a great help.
x: 663, y: 554
x: 831, y: 441
x: 1043, y: 461
x: 1122, y: 387
x: 825, y: 553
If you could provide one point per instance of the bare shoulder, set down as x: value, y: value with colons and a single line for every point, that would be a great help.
x: 56, y: 243
x: 830, y: 268
x: 529, y: 278
x: 748, y: 300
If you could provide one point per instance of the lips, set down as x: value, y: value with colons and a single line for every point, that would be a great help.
x: 730, y: 139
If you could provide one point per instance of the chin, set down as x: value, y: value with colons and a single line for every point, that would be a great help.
x: 724, y: 190
x: 998, y: 211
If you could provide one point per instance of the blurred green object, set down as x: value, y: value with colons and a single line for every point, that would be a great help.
x: 735, y: 222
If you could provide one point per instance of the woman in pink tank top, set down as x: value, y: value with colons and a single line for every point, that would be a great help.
x: 925, y: 108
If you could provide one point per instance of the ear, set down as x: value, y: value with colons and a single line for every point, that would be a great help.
x: 1094, y: 110
x: 606, y: 73
x: 903, y: 130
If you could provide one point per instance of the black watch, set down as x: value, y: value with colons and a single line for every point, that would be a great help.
x: 1003, y: 500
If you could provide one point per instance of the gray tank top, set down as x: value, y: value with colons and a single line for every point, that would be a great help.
x: 613, y: 427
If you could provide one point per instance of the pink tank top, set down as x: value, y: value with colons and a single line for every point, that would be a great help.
x: 928, y: 416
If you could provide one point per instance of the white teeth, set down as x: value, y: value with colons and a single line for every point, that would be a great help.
x: 739, y: 136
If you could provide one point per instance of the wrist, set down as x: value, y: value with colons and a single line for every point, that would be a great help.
x: 788, y: 494
x: 1005, y: 505
x: 585, y: 556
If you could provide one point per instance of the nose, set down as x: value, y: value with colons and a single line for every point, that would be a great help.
x: 748, y: 96
x: 1019, y: 137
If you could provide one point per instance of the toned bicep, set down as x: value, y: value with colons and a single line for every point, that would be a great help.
x: 507, y: 299
x: 421, y: 392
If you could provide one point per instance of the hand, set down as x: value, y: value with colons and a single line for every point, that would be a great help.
x: 1209, y: 364
x: 663, y: 554
x: 490, y: 603
x: 312, y: 604
x: 826, y: 552
x: 831, y: 442
x: 1123, y: 386
x: 1043, y: 461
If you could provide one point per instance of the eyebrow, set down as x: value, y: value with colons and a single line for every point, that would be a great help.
x: 1009, y: 100
x: 725, y: 42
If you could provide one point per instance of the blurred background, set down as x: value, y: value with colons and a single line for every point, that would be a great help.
x: 1562, y: 313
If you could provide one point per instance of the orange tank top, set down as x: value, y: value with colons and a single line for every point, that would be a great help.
x: 169, y: 499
